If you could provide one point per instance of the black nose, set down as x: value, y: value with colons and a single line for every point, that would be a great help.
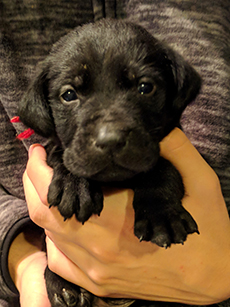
x: 108, y: 137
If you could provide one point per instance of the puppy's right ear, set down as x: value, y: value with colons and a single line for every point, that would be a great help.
x: 34, y: 110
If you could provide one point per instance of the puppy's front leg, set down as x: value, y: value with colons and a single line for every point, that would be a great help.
x: 159, y: 215
x: 71, y: 194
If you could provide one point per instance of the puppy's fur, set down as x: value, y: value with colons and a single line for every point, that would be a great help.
x: 106, y: 96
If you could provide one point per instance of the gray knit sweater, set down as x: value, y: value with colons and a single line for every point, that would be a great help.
x: 199, y: 30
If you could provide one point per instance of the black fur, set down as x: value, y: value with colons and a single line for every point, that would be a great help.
x: 106, y: 96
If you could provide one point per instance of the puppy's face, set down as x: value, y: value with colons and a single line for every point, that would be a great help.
x: 109, y: 92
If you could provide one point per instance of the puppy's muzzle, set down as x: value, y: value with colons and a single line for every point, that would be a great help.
x: 113, y: 151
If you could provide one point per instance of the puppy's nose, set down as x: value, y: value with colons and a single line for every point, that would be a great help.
x: 110, y: 138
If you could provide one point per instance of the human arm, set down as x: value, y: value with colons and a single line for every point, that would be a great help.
x: 106, y: 258
x: 22, y: 262
x: 27, y: 263
x: 14, y: 216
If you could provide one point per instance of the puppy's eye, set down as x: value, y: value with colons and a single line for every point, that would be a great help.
x: 146, y: 88
x: 69, y: 95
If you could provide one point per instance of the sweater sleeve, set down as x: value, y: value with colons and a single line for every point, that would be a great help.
x: 13, y: 218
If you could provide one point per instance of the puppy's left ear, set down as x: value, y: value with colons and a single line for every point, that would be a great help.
x: 187, y: 84
x: 34, y: 110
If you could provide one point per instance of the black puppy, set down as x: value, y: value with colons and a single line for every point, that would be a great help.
x: 106, y: 96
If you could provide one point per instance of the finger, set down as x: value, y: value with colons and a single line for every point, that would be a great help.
x: 45, y: 217
x: 38, y: 171
x: 33, y: 287
x: 177, y: 148
x: 68, y: 270
x: 38, y: 298
x: 39, y: 213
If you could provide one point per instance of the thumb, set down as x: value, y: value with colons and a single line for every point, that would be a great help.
x: 34, y: 299
x: 37, y: 170
x: 32, y: 286
x: 177, y: 148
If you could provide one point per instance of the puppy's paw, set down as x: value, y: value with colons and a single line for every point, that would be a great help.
x: 73, y: 195
x: 90, y: 199
x: 164, y: 226
x: 62, y: 293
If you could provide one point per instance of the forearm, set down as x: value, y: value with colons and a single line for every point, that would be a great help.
x: 27, y: 243
x: 27, y: 263
x: 14, y: 218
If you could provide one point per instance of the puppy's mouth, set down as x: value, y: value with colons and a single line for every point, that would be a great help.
x: 111, y: 173
x: 108, y: 171
x: 107, y: 165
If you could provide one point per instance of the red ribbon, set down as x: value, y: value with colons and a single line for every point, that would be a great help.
x: 25, y: 134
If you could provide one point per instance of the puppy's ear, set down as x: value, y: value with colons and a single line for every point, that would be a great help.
x: 34, y: 110
x: 187, y: 83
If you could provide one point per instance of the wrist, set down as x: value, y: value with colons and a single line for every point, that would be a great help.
x: 22, y: 249
x: 209, y: 283
x: 218, y: 285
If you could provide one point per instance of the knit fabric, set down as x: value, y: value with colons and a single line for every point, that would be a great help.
x: 199, y: 30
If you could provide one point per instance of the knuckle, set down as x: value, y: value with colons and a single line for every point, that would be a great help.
x: 98, y: 276
x: 105, y: 255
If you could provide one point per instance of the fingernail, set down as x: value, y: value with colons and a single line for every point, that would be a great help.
x: 31, y: 148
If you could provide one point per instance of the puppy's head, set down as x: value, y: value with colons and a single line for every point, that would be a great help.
x: 109, y: 92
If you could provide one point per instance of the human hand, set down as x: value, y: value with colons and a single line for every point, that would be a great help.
x: 106, y: 258
x: 26, y: 265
